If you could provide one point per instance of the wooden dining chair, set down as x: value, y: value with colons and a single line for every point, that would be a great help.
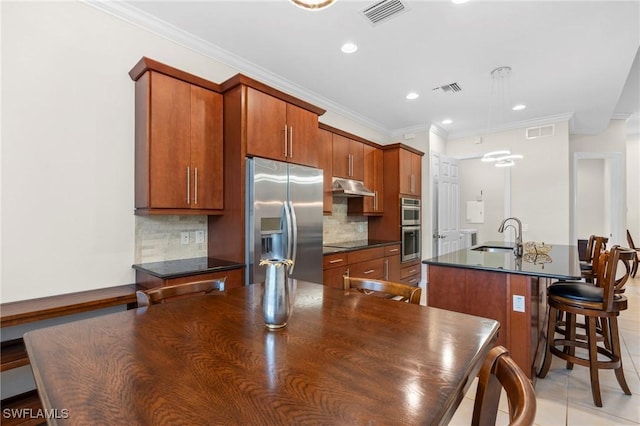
x: 388, y: 289
x: 500, y: 371
x: 162, y: 294
x: 636, y: 260
x: 601, y: 305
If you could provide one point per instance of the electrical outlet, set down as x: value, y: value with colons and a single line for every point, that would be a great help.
x: 199, y: 237
x: 518, y: 303
x: 184, y: 237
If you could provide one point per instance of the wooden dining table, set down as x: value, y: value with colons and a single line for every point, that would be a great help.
x: 343, y: 358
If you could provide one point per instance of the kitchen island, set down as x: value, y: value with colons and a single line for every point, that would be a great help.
x: 489, y: 281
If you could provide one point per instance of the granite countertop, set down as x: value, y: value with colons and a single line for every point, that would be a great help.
x: 562, y: 262
x: 183, y: 267
x: 331, y: 248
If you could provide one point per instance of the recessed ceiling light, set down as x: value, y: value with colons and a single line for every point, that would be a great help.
x: 447, y: 121
x: 519, y: 107
x: 412, y: 95
x: 459, y: 1
x: 349, y: 47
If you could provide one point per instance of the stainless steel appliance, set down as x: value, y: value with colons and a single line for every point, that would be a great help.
x: 284, y: 218
x: 410, y: 228
x: 409, y: 211
x: 410, y: 243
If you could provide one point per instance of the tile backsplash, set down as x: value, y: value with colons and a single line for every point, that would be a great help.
x: 339, y: 227
x: 158, y: 238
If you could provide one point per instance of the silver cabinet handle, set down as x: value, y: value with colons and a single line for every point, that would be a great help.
x: 375, y: 200
x: 413, y: 271
x: 188, y: 184
x: 336, y: 261
x: 195, y: 186
x: 393, y: 250
x: 285, y: 141
x: 386, y: 269
x: 291, y: 142
x: 413, y: 280
x: 412, y: 180
x: 370, y: 271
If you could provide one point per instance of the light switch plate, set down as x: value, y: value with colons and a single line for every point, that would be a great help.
x: 184, y: 237
x: 199, y: 237
x: 518, y: 303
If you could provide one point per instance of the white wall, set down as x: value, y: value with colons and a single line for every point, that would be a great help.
x: 537, y: 186
x: 608, y: 144
x: 67, y: 147
x: 633, y: 187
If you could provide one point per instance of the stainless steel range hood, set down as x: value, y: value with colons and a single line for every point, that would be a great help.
x: 350, y: 188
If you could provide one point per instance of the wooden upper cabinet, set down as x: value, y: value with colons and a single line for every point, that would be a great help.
x: 206, y: 149
x: 373, y: 179
x: 279, y: 130
x: 348, y: 158
x: 325, y: 162
x: 410, y: 173
x: 178, y: 143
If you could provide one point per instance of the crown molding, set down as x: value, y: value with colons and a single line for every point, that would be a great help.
x: 170, y: 32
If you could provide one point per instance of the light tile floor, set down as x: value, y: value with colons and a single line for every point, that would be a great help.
x: 564, y: 396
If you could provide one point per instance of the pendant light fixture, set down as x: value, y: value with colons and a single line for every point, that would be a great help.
x: 313, y: 4
x: 500, y: 100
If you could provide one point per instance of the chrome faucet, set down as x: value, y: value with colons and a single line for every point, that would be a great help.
x: 517, y: 250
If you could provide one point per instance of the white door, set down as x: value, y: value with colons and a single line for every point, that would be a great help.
x: 448, y: 206
x: 446, y: 233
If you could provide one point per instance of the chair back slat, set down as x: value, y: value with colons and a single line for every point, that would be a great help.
x: 161, y: 294
x: 500, y: 371
x: 405, y: 292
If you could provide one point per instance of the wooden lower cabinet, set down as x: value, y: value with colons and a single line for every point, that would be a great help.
x: 235, y: 278
x: 410, y: 273
x: 489, y: 295
x: 380, y: 263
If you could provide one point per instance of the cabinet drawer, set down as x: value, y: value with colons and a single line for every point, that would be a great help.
x: 369, y: 269
x: 410, y: 270
x: 334, y: 260
x: 234, y: 278
x: 366, y: 254
x: 411, y: 280
x: 392, y: 250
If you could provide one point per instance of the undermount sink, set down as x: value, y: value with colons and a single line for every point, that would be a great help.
x: 491, y: 249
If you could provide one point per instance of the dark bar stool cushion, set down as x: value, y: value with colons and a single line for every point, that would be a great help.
x: 577, y: 291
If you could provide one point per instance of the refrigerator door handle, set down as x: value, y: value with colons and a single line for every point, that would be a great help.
x: 294, y: 240
x: 288, y: 225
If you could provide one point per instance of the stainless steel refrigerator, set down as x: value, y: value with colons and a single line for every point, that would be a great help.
x: 284, y: 218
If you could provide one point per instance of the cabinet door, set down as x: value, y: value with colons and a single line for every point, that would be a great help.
x: 206, y: 149
x: 348, y: 158
x: 169, y: 148
x: 303, y: 136
x: 325, y: 162
x: 373, y: 176
x: 266, y: 120
x: 410, y: 173
x: 393, y: 268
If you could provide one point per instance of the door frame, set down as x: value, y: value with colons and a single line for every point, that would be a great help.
x: 616, y: 188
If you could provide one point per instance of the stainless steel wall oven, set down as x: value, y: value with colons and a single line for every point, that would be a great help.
x: 410, y: 228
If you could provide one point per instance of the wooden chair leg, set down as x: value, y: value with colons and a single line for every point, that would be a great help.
x: 593, y: 361
x: 615, y: 345
x: 551, y: 328
x: 570, y: 330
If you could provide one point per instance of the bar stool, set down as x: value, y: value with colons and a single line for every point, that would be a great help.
x: 595, y: 246
x: 595, y: 302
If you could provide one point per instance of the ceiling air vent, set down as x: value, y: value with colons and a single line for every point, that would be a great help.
x: 541, y: 131
x: 453, y: 87
x: 384, y: 10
